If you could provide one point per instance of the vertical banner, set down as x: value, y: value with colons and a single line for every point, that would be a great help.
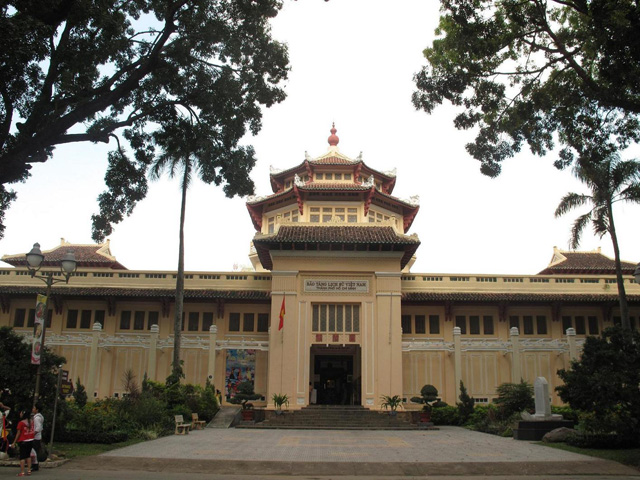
x: 241, y: 367
x: 38, y: 329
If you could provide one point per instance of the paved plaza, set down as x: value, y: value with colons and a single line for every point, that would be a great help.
x: 317, y: 454
x: 448, y: 451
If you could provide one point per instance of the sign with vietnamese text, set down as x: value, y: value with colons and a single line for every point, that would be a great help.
x: 343, y: 286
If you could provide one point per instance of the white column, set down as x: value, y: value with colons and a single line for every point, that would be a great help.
x: 93, y: 361
x: 153, y: 350
x: 211, y: 368
x: 571, y: 339
x: 457, y: 358
x: 516, y: 373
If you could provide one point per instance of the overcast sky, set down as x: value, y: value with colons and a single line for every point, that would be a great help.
x: 352, y: 63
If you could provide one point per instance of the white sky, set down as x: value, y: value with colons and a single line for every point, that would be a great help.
x: 352, y: 63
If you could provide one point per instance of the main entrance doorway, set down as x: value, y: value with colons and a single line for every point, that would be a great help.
x: 335, y: 375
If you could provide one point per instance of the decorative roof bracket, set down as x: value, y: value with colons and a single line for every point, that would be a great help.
x: 367, y: 202
x: 298, y: 199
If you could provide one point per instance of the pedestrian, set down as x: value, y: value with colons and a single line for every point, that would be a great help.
x: 38, y: 424
x: 24, y: 437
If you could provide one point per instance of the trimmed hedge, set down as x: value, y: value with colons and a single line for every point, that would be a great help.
x: 445, y: 415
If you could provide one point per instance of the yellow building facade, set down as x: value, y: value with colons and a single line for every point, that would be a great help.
x: 331, y: 312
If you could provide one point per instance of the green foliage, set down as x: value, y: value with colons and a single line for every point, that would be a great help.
x: 604, y: 384
x: 491, y: 419
x: 80, y: 394
x: 146, y: 415
x: 446, y: 415
x: 466, y: 404
x: 280, y: 400
x: 610, y: 180
x: 428, y: 395
x: 391, y: 402
x: 18, y: 374
x: 533, y: 73
x: 514, y: 398
x: 244, y: 394
x: 567, y: 412
x: 93, y: 71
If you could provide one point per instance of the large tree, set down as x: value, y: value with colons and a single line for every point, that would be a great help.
x: 610, y: 180
x: 19, y: 375
x: 86, y: 71
x: 537, y: 72
x: 187, y: 151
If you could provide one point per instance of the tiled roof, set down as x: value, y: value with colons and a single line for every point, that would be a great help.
x: 337, y: 234
x: 512, y: 297
x: 347, y: 237
x: 333, y: 186
x: 333, y: 160
x: 141, y: 292
x: 97, y: 255
x: 585, y: 263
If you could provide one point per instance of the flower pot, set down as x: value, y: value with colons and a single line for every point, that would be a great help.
x: 247, y: 415
x: 425, y: 417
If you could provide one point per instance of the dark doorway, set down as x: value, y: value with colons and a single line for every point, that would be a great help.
x: 335, y: 379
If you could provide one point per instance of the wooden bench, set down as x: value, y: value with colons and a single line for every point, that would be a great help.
x: 181, y: 427
x: 196, y: 423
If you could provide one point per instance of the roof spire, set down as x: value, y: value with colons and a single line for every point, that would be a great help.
x: 333, y: 138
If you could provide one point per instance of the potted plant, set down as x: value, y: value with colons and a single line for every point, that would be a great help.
x: 428, y: 396
x: 242, y: 397
x: 280, y: 399
x: 391, y: 403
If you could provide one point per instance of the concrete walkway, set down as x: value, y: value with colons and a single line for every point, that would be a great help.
x: 449, y: 451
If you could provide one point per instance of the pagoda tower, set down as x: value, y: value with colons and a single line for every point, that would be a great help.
x: 335, y: 240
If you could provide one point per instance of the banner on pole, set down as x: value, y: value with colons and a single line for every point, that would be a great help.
x: 38, y: 329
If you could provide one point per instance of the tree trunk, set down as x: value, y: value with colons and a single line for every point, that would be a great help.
x: 622, y: 296
x: 177, y: 322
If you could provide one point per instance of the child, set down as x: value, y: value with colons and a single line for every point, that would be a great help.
x: 24, y: 437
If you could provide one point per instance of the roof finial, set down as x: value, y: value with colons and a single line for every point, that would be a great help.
x: 333, y: 138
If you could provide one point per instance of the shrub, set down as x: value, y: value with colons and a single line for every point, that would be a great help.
x: 465, y: 406
x: 80, y: 394
x: 514, y: 398
x: 86, y: 436
x: 244, y: 395
x: 567, y: 412
x: 144, y: 411
x: 604, y: 382
x: 446, y: 415
x: 428, y: 396
x: 490, y: 419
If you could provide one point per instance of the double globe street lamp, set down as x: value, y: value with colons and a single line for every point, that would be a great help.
x: 68, y: 266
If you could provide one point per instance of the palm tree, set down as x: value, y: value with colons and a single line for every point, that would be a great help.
x: 188, y: 151
x: 610, y: 180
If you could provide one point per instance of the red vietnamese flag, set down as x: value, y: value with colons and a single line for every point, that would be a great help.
x: 282, y: 312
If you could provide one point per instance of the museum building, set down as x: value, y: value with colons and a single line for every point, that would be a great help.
x: 331, y: 312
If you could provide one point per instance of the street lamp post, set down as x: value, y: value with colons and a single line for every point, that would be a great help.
x: 68, y: 266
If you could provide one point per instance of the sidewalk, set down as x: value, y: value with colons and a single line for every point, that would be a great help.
x: 449, y: 451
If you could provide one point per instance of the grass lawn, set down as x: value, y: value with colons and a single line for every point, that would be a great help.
x: 627, y: 456
x: 73, y: 450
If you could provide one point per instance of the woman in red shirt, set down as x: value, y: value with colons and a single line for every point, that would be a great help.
x: 24, y: 437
